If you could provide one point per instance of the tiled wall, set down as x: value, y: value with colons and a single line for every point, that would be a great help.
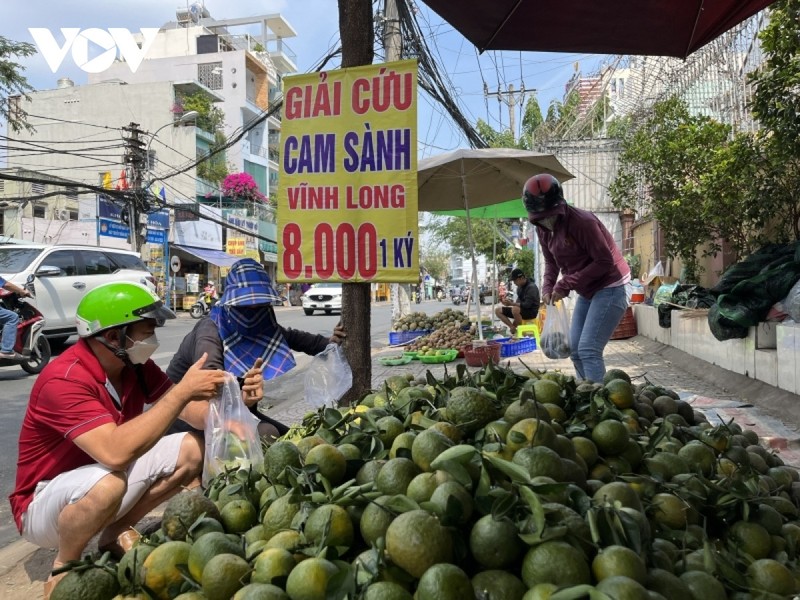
x: 752, y: 356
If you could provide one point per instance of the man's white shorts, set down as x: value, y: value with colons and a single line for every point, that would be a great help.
x: 40, y: 521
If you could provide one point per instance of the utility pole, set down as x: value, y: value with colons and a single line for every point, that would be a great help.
x: 511, y: 98
x: 393, y: 46
x: 135, y: 164
x: 356, y: 28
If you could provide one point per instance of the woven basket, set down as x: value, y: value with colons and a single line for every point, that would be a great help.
x: 627, y: 326
x: 481, y: 355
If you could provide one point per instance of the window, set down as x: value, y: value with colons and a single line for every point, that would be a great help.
x: 37, y: 188
x: 71, y: 193
x: 63, y: 260
x: 38, y: 210
x: 96, y: 263
x: 73, y: 215
x: 14, y: 260
x: 127, y: 261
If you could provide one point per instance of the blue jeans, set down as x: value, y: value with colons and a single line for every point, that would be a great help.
x: 9, y: 321
x: 593, y: 322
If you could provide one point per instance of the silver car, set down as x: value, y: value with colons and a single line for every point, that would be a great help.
x: 326, y: 297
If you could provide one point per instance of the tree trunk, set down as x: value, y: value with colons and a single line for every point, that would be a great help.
x: 356, y: 31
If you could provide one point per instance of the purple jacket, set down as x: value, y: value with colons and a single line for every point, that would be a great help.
x: 583, y: 250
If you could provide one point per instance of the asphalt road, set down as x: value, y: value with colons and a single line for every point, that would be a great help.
x: 15, y: 384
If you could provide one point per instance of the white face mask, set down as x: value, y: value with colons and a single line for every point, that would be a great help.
x: 141, y: 350
x: 547, y: 222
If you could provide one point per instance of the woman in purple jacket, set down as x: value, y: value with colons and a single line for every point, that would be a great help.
x: 579, y: 247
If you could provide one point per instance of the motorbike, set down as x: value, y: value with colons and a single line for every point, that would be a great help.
x: 30, y: 343
x: 202, y: 307
x: 456, y: 298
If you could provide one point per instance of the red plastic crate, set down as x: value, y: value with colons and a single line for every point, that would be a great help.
x: 627, y: 326
x: 481, y: 355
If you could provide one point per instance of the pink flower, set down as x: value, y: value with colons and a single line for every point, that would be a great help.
x: 242, y: 186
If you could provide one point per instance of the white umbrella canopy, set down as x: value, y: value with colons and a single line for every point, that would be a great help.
x: 466, y: 179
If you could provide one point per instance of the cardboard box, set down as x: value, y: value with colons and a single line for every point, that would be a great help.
x: 188, y: 301
x: 652, y: 285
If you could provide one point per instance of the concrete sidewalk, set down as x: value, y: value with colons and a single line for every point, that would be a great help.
x: 774, y: 414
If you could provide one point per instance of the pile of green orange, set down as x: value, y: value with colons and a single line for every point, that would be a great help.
x: 492, y: 485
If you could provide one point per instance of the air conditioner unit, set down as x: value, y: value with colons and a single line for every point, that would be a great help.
x: 62, y: 214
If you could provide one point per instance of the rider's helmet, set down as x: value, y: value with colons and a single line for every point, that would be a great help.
x: 210, y: 283
x: 118, y: 304
x: 542, y: 192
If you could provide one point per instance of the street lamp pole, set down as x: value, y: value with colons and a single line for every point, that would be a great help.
x: 187, y: 116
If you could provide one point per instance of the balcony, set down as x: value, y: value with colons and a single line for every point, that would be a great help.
x: 205, y: 189
x: 253, y: 150
x: 283, y: 57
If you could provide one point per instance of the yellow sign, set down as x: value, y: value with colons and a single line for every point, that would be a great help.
x: 347, y: 204
x: 235, y: 246
x: 239, y: 247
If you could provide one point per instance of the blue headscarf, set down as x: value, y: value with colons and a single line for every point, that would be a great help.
x: 247, y: 324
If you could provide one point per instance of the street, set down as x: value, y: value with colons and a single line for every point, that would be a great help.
x: 17, y: 384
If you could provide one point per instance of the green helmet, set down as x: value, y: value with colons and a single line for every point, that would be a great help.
x: 117, y: 304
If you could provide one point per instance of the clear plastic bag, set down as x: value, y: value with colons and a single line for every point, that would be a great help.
x: 232, y: 440
x: 328, y: 377
x: 555, y: 335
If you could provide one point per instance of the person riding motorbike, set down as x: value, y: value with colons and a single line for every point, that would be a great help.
x: 210, y: 294
x: 9, y: 320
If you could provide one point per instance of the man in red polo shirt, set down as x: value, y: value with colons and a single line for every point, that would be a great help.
x: 91, y: 460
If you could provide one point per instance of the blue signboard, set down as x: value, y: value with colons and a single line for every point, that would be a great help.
x: 156, y: 236
x: 121, y: 231
x: 112, y: 229
x: 106, y: 209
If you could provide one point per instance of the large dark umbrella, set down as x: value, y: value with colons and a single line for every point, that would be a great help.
x: 648, y: 27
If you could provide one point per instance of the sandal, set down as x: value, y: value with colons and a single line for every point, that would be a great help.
x: 124, y: 542
x: 51, y: 583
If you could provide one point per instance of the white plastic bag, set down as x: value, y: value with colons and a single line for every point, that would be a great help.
x: 328, y: 377
x: 791, y: 304
x: 232, y: 440
x: 656, y: 271
x: 555, y: 334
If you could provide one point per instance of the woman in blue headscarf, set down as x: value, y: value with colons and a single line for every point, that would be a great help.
x: 241, y: 333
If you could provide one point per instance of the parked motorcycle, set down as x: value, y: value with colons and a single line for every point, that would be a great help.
x: 30, y: 343
x: 202, y: 307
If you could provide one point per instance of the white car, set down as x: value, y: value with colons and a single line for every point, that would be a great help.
x: 63, y: 276
x: 323, y: 296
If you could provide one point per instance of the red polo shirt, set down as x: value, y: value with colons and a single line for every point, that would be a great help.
x: 68, y: 399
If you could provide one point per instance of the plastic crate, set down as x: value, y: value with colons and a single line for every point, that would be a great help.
x: 627, y: 326
x: 482, y: 355
x: 516, y: 346
x: 403, y: 337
